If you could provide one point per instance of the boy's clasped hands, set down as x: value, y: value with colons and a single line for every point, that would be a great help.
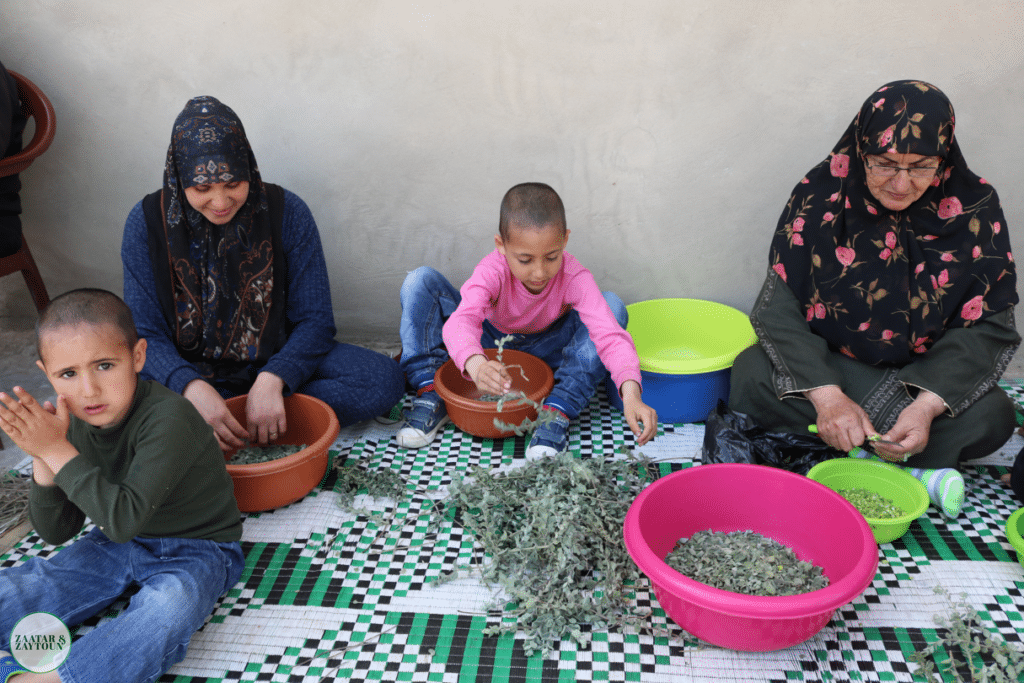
x: 39, y: 430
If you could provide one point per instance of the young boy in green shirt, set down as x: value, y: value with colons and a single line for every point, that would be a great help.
x: 141, y: 463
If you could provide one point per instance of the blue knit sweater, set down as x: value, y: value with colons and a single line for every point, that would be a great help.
x: 308, y: 309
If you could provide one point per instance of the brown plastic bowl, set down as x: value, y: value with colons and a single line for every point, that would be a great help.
x: 477, y: 417
x: 272, y: 484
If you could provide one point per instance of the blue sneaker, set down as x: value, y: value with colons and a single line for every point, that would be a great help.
x: 551, y: 438
x: 423, y: 421
x: 9, y: 666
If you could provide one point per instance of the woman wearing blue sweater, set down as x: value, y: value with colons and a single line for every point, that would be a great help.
x: 226, y: 278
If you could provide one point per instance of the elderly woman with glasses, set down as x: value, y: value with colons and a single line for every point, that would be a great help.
x: 887, y: 312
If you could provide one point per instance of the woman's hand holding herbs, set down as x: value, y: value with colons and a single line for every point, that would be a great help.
x: 637, y: 412
x: 214, y: 409
x: 490, y: 376
x: 842, y: 424
x: 264, y: 409
x: 912, y: 428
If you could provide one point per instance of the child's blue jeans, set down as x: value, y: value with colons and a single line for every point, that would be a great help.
x: 428, y: 299
x: 180, y: 578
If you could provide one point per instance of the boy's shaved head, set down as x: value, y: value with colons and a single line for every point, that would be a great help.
x: 87, y: 306
x: 533, y: 205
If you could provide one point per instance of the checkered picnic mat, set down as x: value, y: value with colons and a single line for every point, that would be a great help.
x: 335, y: 595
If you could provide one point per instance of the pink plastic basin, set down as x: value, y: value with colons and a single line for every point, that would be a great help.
x: 816, y: 522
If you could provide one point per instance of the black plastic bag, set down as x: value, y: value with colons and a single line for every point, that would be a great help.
x: 735, y: 437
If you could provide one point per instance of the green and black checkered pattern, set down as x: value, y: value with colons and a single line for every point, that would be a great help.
x: 335, y: 595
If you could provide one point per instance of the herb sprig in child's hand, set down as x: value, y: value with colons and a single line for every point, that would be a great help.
x: 490, y: 376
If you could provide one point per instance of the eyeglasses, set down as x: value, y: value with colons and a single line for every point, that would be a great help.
x: 889, y: 171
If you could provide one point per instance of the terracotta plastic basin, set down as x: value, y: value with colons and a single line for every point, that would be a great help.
x: 477, y: 417
x: 272, y: 484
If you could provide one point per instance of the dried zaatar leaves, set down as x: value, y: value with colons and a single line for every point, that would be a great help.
x: 553, y: 529
x: 871, y: 504
x: 969, y: 648
x: 250, y: 455
x: 378, y: 483
x: 744, y: 562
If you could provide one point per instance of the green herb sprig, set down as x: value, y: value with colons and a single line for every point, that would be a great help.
x: 514, y: 398
x: 969, y: 647
x: 378, y: 483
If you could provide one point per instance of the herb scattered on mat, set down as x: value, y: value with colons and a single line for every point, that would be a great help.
x: 967, y: 648
x: 14, y: 490
x: 553, y: 530
x: 378, y: 483
x: 871, y: 504
x: 250, y: 455
x: 744, y: 562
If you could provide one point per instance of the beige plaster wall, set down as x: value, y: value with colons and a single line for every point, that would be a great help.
x: 674, y: 129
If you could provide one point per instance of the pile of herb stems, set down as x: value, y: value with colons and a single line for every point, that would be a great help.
x: 553, y: 530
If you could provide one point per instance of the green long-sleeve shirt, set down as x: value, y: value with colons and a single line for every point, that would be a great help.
x: 159, y: 473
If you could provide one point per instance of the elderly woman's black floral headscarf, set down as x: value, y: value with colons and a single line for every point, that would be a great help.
x: 879, y: 285
x: 221, y: 275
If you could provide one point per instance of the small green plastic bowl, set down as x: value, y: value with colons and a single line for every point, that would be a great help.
x: 1013, y: 529
x: 882, y: 478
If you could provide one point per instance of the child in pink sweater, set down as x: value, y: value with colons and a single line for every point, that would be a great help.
x: 531, y: 288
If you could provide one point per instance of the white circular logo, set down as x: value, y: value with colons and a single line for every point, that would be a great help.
x: 40, y: 642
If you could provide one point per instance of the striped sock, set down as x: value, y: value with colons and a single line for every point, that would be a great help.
x: 945, y: 488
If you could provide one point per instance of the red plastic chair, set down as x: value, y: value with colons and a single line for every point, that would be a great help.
x: 34, y: 104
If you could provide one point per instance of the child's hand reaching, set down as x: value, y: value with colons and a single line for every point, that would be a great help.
x: 637, y: 412
x: 490, y: 376
x: 40, y: 431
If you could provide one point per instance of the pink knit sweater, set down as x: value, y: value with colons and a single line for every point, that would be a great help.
x: 493, y: 293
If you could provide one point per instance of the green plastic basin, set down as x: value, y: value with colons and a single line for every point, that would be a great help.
x: 882, y: 478
x: 687, y: 336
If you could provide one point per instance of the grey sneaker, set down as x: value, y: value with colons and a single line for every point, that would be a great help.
x: 423, y: 421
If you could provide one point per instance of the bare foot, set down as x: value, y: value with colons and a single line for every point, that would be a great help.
x: 1005, y: 479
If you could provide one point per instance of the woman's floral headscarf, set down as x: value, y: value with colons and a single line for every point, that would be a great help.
x: 222, y: 275
x: 882, y: 286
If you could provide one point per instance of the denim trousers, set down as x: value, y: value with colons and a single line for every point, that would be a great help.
x: 428, y: 299
x: 179, y: 580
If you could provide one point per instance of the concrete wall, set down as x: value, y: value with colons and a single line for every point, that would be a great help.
x: 674, y: 129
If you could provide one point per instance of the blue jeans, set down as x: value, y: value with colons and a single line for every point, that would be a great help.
x: 180, y: 578
x: 428, y: 299
x: 359, y: 384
